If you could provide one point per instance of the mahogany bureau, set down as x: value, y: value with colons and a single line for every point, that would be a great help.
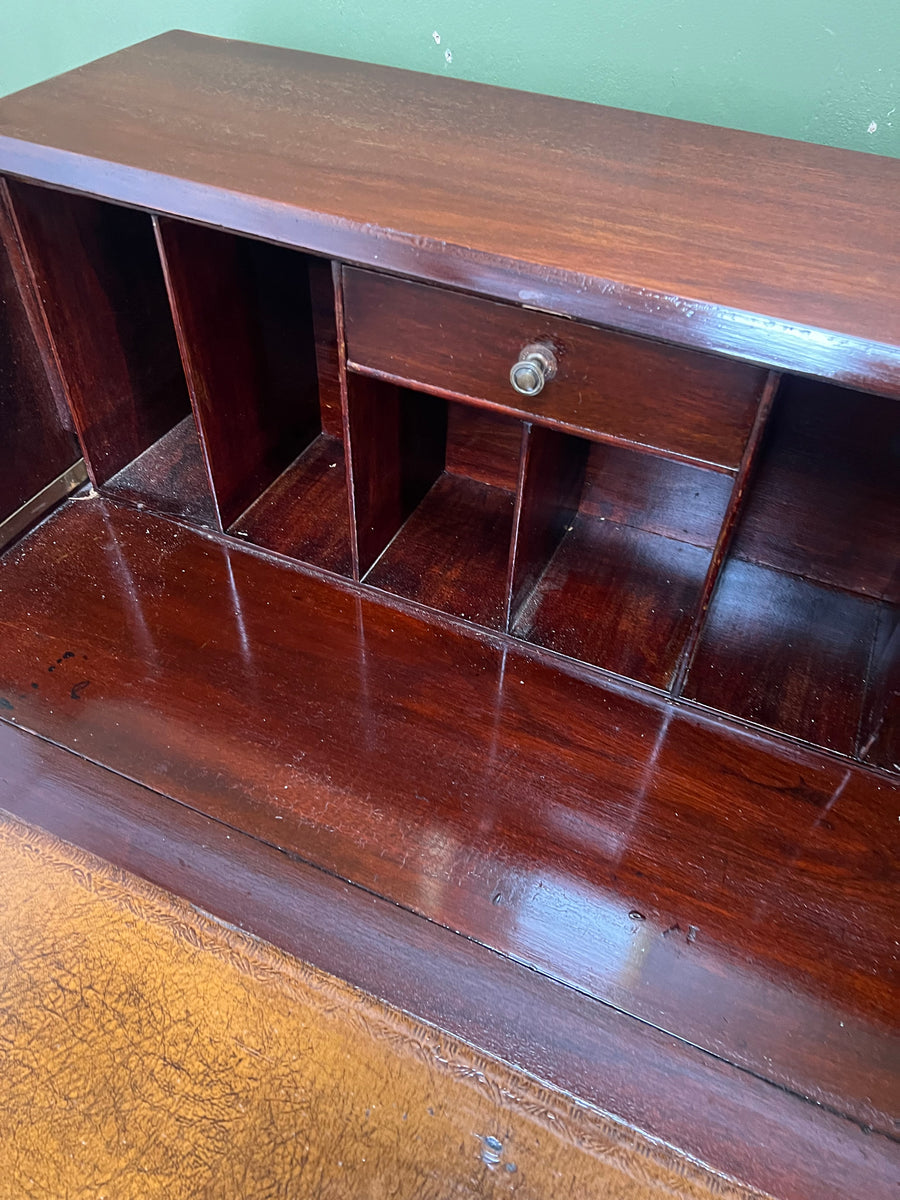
x: 452, y: 533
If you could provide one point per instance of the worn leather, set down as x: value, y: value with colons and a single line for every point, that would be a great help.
x: 149, y: 1051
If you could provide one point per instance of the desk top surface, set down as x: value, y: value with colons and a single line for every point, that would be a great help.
x: 775, y: 250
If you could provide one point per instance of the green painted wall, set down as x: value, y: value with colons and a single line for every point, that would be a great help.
x: 819, y: 70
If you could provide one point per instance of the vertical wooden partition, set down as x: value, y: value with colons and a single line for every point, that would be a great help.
x: 799, y: 628
x: 256, y: 329
x: 37, y: 446
x: 98, y: 276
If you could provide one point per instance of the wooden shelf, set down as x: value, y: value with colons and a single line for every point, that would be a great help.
x: 304, y: 514
x: 453, y: 552
x: 169, y: 477
x: 619, y: 597
x: 786, y: 652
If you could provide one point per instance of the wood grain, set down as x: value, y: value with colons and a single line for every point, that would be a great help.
x: 305, y: 513
x: 245, y: 327
x: 786, y: 653
x: 169, y: 477
x: 452, y: 553
x: 825, y: 502
x: 98, y: 276
x: 637, y: 392
x: 618, y: 597
x: 398, y: 445
x: 662, y: 227
x: 552, y: 476
x: 36, y: 446
x: 522, y: 805
x: 787, y: 1147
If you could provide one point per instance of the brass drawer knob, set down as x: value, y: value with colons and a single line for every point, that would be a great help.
x: 536, y: 366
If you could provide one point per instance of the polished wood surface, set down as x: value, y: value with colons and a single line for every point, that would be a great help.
x: 169, y: 477
x: 825, y: 501
x: 38, y: 444
x: 636, y: 392
x: 787, y: 1148
x: 244, y: 318
x: 398, y: 448
x: 618, y: 597
x: 731, y: 891
x: 151, y: 1050
x: 96, y: 269
x: 786, y: 653
x: 305, y: 513
x: 515, y: 691
x: 709, y: 237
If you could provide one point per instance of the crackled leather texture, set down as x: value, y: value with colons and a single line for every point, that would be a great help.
x: 148, y: 1051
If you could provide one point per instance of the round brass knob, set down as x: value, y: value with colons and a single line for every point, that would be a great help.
x: 536, y: 366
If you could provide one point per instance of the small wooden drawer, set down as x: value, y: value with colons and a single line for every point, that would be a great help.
x: 609, y: 385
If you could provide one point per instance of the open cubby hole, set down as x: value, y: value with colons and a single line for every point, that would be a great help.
x: 256, y: 325
x: 434, y: 492
x: 801, y: 636
x: 613, y: 547
x: 101, y: 286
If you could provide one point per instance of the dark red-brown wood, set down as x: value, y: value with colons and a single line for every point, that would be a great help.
x: 305, y: 514
x: 618, y: 597
x: 637, y: 392
x: 786, y: 1147
x: 552, y: 476
x: 98, y: 276
x: 245, y: 327
x: 323, y: 303
x: 169, y: 477
x: 880, y: 729
x: 398, y: 442
x: 452, y: 552
x: 674, y: 499
x: 35, y: 446
x: 736, y: 893
x: 825, y: 501
x: 715, y: 238
x: 787, y: 653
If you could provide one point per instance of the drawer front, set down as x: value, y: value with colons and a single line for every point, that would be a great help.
x: 609, y: 384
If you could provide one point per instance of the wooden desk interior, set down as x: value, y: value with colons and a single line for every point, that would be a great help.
x: 589, y: 697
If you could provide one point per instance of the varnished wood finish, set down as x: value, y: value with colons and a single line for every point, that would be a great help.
x: 726, y: 531
x: 35, y: 447
x: 681, y: 915
x: 552, y: 477
x: 788, y: 1148
x: 323, y: 301
x: 637, y: 392
x: 711, y: 237
x: 169, y: 477
x: 398, y: 443
x: 880, y: 730
x: 825, y: 502
x: 730, y: 891
x: 618, y: 597
x: 125, y: 1008
x: 786, y: 653
x: 452, y: 553
x: 244, y: 319
x: 98, y: 276
x: 304, y: 514
x: 670, y: 498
